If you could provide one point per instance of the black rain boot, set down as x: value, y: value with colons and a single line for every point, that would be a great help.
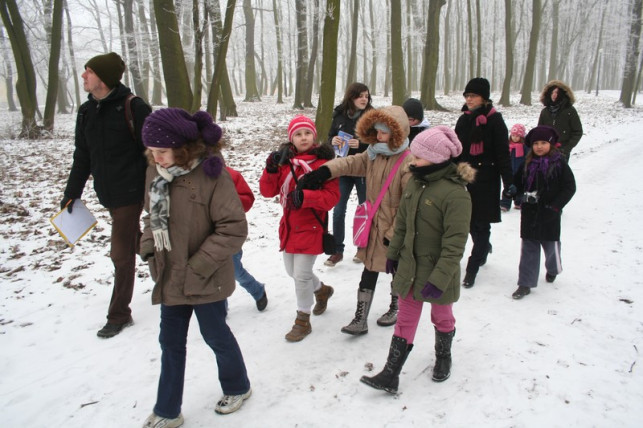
x: 442, y: 369
x: 389, y: 378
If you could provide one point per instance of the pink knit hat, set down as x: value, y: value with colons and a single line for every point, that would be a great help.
x: 437, y: 144
x: 299, y: 122
x: 518, y: 130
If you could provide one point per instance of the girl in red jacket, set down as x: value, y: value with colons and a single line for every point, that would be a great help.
x: 300, y: 228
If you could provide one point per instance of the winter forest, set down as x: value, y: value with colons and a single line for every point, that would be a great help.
x: 203, y: 55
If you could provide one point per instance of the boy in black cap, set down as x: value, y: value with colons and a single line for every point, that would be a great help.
x: 114, y: 157
x: 415, y: 112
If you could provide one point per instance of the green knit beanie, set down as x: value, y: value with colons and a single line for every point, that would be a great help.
x: 109, y: 68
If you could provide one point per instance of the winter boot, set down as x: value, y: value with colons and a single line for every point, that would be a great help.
x: 442, y: 369
x: 300, y: 329
x: 390, y: 317
x: 358, y: 325
x: 389, y: 378
x: 469, y: 280
x: 321, y: 298
x: 489, y: 251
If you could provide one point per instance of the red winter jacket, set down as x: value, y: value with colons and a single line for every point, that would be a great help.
x: 244, y: 191
x: 299, y: 231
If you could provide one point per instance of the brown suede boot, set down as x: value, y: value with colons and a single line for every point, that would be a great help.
x: 301, y: 328
x: 321, y: 297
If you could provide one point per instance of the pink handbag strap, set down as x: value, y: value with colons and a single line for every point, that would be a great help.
x: 387, y: 183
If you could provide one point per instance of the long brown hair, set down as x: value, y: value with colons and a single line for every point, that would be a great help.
x: 353, y: 91
x: 185, y: 154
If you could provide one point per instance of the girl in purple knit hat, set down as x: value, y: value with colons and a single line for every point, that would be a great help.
x: 546, y: 184
x: 194, y: 224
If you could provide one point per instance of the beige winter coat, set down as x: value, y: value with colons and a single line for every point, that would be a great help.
x: 376, y: 172
x: 207, y: 225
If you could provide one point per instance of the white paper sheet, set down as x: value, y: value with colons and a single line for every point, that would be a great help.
x: 74, y: 226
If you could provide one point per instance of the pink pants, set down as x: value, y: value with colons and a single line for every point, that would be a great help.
x: 408, y: 317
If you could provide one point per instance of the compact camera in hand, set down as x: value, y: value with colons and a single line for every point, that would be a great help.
x: 530, y: 197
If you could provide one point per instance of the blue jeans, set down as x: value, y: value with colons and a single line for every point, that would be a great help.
x: 346, y: 184
x: 175, y: 321
x: 247, y: 281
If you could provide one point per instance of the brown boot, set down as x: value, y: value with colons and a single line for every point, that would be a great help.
x: 321, y: 297
x: 300, y: 329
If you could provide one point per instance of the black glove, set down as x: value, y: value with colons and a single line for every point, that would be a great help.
x: 510, y: 192
x: 272, y: 163
x: 67, y: 202
x: 295, y: 199
x: 391, y: 266
x: 386, y: 242
x: 314, y: 179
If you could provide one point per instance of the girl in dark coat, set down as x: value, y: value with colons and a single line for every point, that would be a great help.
x: 357, y: 100
x: 560, y: 113
x: 483, y: 134
x: 547, y: 184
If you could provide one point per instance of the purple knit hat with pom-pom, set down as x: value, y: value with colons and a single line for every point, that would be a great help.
x: 171, y: 128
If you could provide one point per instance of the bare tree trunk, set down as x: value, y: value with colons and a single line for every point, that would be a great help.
x: 329, y: 70
x: 632, y: 54
x: 8, y: 75
x: 505, y: 97
x: 527, y: 83
x: 72, y: 56
x: 280, y: 70
x: 447, y: 53
x: 553, y: 46
x: 479, y: 30
x: 351, y: 76
x: 198, y: 55
x: 310, y: 76
x: 144, y: 49
x: 387, y: 65
x: 213, y: 97
x: 302, y: 53
x: 123, y: 41
x: 26, y: 82
x: 55, y: 36
x: 398, y: 77
x: 470, y: 32
x: 373, y: 84
x: 431, y: 56
x: 157, y: 89
x: 177, y: 81
x: 252, y: 93
x: 132, y: 49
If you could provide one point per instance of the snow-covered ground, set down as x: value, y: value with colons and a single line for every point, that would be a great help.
x: 566, y: 355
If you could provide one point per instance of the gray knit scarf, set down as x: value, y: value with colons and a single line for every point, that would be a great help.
x: 160, y: 202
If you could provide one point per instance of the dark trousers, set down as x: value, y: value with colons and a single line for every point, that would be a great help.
x: 126, y: 234
x: 369, y: 280
x: 346, y: 184
x: 175, y: 321
x: 529, y: 267
x: 480, y: 233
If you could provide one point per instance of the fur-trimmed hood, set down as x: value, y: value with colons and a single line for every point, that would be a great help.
x: 549, y: 87
x: 394, y: 117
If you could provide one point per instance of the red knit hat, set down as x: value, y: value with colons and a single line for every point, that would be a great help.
x: 299, y: 122
x: 518, y: 130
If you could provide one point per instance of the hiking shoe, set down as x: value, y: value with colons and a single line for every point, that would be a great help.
x: 516, y: 207
x: 550, y: 278
x: 469, y: 280
x: 356, y: 259
x: 505, y: 209
x: 112, y: 329
x: 155, y: 421
x: 521, y: 292
x: 262, y: 302
x: 321, y: 298
x: 334, y: 259
x: 231, y: 403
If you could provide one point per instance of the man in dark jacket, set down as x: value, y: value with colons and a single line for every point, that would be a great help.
x: 110, y: 149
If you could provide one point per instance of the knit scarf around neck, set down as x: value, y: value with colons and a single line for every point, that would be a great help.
x: 383, y: 149
x: 477, y: 145
x: 160, y: 202
x: 301, y: 166
x: 545, y: 166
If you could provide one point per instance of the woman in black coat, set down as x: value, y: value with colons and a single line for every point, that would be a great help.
x: 483, y: 134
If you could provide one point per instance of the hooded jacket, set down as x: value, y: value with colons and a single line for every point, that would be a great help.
x: 207, y: 226
x: 565, y: 119
x: 341, y: 122
x: 104, y: 148
x: 376, y: 172
x: 431, y: 232
x: 299, y: 230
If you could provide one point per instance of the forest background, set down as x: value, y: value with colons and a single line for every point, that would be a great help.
x: 201, y: 54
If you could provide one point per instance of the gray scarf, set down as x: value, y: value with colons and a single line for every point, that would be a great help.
x: 383, y: 149
x: 160, y: 202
